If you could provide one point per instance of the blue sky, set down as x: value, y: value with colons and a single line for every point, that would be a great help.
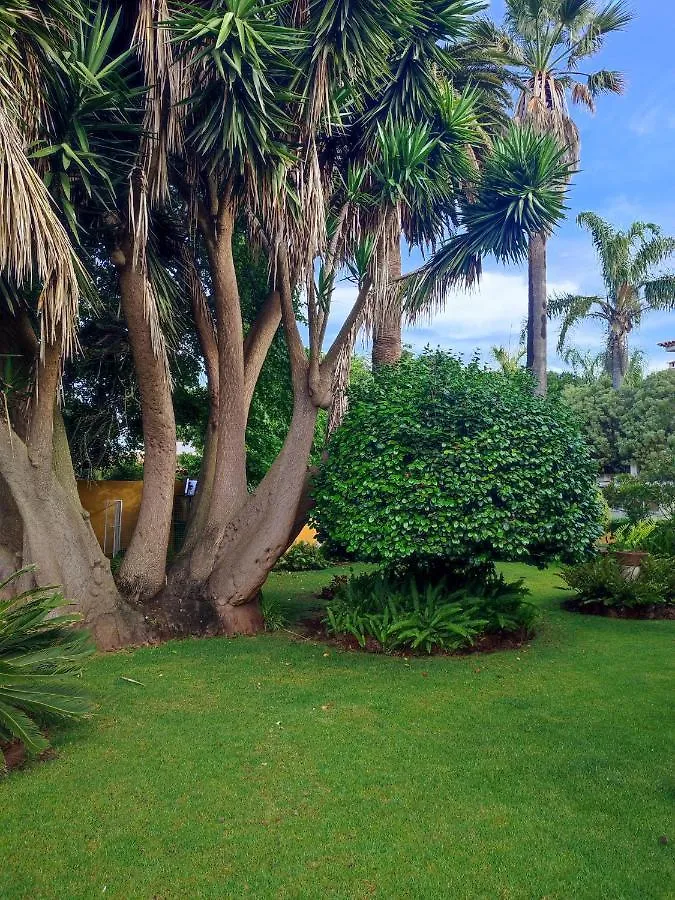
x: 627, y: 173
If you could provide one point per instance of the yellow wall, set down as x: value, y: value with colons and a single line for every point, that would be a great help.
x: 307, y: 536
x: 94, y: 495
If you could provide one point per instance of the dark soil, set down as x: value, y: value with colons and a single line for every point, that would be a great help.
x: 16, y: 756
x: 635, y: 612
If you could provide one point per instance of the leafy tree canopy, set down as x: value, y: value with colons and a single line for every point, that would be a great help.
x: 633, y: 424
x: 438, y: 460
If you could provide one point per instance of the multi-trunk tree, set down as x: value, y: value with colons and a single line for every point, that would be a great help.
x: 158, y: 135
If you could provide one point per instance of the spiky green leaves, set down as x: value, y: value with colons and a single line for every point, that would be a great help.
x: 94, y: 123
x: 40, y: 652
x: 520, y: 191
x: 241, y: 57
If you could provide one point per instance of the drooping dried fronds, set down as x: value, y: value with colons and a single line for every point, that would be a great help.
x: 34, y: 247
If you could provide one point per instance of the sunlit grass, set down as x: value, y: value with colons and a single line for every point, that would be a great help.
x: 275, y: 767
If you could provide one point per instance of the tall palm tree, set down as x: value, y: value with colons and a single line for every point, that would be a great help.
x: 628, y: 260
x: 433, y: 65
x: 547, y: 44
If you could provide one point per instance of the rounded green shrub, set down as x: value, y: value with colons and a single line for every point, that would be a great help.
x: 438, y: 460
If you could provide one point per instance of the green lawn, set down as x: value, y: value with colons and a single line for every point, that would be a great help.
x: 273, y: 767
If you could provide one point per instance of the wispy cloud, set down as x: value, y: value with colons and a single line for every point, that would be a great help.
x: 652, y: 120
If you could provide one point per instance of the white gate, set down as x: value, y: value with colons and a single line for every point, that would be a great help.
x: 112, y: 531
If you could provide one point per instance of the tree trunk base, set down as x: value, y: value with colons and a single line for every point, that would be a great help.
x: 246, y: 618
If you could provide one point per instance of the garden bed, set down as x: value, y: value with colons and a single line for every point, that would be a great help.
x: 638, y: 612
x: 315, y: 628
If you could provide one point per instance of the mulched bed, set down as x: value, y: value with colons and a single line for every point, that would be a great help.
x: 314, y: 629
x: 637, y: 612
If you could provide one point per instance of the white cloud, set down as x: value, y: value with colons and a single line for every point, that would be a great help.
x: 492, y: 311
x: 651, y: 120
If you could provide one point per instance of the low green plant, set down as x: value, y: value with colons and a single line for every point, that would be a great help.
x: 602, y: 584
x: 274, y: 612
x: 661, y: 541
x: 303, y: 557
x: 41, y: 657
x: 420, y: 611
x: 634, y: 535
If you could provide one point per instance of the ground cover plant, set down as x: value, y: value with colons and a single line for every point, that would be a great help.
x: 426, y: 611
x: 602, y: 586
x: 280, y: 767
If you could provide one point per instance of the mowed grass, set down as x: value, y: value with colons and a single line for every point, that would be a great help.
x: 277, y: 767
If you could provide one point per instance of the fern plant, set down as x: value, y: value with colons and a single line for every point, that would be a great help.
x: 41, y: 657
x: 634, y: 536
x: 424, y: 611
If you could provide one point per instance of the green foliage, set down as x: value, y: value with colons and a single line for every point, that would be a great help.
x: 633, y: 536
x: 274, y: 612
x: 415, y: 611
x: 634, y: 424
x: 302, y: 557
x: 647, y: 425
x: 520, y: 190
x: 435, y: 460
x: 638, y: 497
x: 41, y: 656
x: 601, y: 584
x: 188, y: 465
x: 661, y: 540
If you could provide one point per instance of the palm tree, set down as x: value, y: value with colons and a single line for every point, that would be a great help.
x: 432, y: 67
x: 547, y: 42
x: 519, y: 191
x: 628, y: 260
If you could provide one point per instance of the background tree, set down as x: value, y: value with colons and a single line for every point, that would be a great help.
x: 629, y: 261
x: 632, y: 425
x: 547, y: 43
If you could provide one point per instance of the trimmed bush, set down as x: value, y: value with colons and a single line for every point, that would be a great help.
x: 437, y: 460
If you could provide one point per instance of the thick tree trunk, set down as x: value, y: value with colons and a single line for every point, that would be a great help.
x: 41, y: 525
x: 224, y: 599
x: 387, y: 329
x: 537, y: 312
x: 143, y: 570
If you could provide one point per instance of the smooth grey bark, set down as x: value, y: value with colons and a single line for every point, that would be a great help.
x: 537, y: 312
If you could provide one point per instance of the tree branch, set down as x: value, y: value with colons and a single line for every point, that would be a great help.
x: 331, y: 358
x: 258, y: 341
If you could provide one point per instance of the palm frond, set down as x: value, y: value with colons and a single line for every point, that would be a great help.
x: 520, y: 191
x: 606, y: 82
x: 573, y: 308
x: 659, y: 293
x: 34, y: 247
